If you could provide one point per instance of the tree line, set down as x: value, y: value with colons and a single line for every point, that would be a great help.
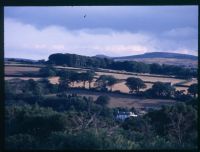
x: 74, y: 60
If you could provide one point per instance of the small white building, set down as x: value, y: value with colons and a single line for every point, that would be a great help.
x: 124, y: 115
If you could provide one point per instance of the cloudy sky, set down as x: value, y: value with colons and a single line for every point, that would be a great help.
x: 37, y: 32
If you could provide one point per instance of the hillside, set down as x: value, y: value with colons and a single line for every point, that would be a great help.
x: 163, y: 58
x: 160, y: 55
x: 19, y: 60
x: 101, y: 56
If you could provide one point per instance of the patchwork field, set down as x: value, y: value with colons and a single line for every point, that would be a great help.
x: 19, y: 69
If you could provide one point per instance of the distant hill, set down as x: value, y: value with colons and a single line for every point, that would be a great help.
x: 102, y: 56
x: 19, y: 60
x: 160, y: 55
x: 163, y: 58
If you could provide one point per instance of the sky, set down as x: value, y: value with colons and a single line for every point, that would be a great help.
x: 37, y: 32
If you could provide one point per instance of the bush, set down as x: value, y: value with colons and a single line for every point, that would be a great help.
x: 102, y: 100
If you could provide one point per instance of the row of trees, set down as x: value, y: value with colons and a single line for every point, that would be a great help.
x: 68, y: 78
x: 159, y: 89
x: 131, y: 66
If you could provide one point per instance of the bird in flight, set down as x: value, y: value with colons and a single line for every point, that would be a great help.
x: 85, y: 16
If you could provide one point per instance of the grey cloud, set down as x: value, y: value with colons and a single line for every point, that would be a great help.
x: 26, y: 41
x: 131, y: 18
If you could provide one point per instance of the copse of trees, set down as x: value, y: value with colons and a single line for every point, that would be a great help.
x: 77, y: 60
x: 135, y: 84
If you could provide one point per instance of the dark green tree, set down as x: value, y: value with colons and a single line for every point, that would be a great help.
x: 135, y: 84
x: 161, y: 89
x: 103, y: 100
x: 193, y: 89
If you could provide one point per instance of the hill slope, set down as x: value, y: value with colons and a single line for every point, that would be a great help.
x: 163, y: 58
x: 160, y: 55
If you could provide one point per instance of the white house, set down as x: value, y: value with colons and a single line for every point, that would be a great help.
x: 124, y: 115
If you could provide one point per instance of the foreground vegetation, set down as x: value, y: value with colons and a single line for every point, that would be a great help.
x: 34, y: 121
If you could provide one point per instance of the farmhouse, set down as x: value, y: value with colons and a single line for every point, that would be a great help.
x: 124, y: 115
